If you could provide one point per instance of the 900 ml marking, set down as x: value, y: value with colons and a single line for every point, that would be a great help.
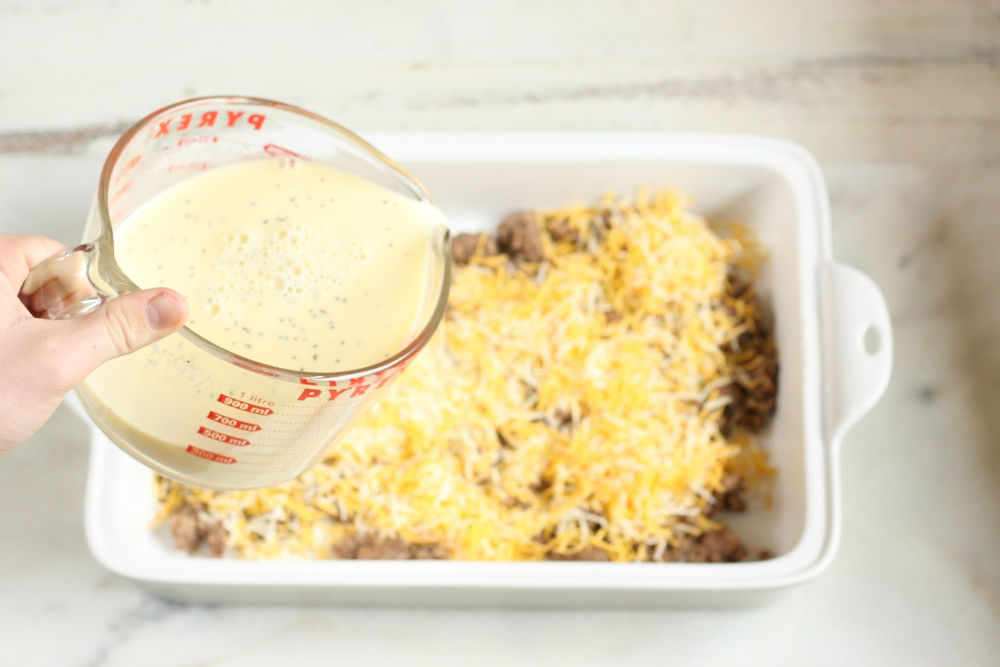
x: 233, y: 423
x: 244, y: 406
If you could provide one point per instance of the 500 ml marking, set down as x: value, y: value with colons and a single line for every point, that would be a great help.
x: 222, y: 437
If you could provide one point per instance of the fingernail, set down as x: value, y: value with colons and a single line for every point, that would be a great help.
x: 162, y: 311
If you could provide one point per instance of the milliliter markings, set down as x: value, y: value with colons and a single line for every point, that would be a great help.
x: 233, y: 423
x: 244, y: 406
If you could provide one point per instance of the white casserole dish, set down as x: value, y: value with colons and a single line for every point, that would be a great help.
x: 827, y: 381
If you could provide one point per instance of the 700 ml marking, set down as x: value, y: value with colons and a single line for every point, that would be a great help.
x: 233, y: 423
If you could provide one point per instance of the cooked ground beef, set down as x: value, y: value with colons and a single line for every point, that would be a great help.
x: 717, y: 546
x: 184, y: 528
x: 561, y: 230
x: 372, y: 547
x: 215, y: 539
x: 391, y: 548
x: 428, y: 552
x: 464, y: 246
x: 754, y: 395
x: 590, y: 553
x: 519, y: 236
x: 190, y: 531
x: 761, y: 391
x: 728, y: 417
x: 730, y: 498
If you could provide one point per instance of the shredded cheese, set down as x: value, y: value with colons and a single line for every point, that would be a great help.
x: 562, y: 405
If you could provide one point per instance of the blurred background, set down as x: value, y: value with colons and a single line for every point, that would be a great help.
x: 881, y: 80
x: 898, y: 99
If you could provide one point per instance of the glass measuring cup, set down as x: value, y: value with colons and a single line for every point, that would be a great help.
x: 212, y: 417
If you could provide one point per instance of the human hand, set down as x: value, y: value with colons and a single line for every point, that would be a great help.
x: 41, y: 360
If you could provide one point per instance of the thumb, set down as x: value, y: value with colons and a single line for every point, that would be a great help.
x: 125, y: 324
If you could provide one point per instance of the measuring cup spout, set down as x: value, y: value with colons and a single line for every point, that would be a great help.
x: 64, y: 285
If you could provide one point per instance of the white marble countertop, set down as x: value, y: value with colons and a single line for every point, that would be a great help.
x: 898, y: 99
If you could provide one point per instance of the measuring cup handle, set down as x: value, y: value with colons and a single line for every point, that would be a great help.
x: 61, y: 287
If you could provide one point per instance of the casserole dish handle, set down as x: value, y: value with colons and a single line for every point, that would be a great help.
x: 859, y: 353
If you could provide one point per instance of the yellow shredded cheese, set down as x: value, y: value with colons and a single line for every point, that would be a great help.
x: 562, y: 405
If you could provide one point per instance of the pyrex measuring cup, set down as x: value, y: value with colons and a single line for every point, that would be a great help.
x: 212, y: 417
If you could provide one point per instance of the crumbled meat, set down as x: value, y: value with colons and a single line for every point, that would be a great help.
x: 738, y: 343
x: 733, y: 502
x: 612, y: 316
x: 190, y: 531
x: 717, y: 546
x: 722, y: 546
x: 543, y: 484
x: 464, y: 246
x: 520, y: 237
x: 732, y: 483
x: 184, y: 527
x: 754, y: 400
x: 761, y: 392
x: 589, y: 553
x: 347, y: 546
x: 736, y: 287
x: 754, y: 397
x: 730, y: 497
x: 563, y: 417
x: 561, y: 230
x: 728, y: 417
x: 215, y: 540
x: 391, y: 548
x: 428, y: 552
x: 372, y: 547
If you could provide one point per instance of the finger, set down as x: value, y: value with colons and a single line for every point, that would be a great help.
x: 120, y: 326
x: 19, y: 253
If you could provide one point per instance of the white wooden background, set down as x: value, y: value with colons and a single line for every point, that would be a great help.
x: 876, y: 80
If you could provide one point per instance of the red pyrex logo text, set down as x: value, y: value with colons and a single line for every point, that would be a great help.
x: 208, y: 119
x: 356, y: 387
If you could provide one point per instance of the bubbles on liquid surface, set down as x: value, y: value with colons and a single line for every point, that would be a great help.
x: 286, y: 260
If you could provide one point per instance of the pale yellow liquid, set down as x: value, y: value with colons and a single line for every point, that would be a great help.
x: 291, y: 264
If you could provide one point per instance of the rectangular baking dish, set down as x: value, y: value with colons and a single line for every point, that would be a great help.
x: 828, y: 379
